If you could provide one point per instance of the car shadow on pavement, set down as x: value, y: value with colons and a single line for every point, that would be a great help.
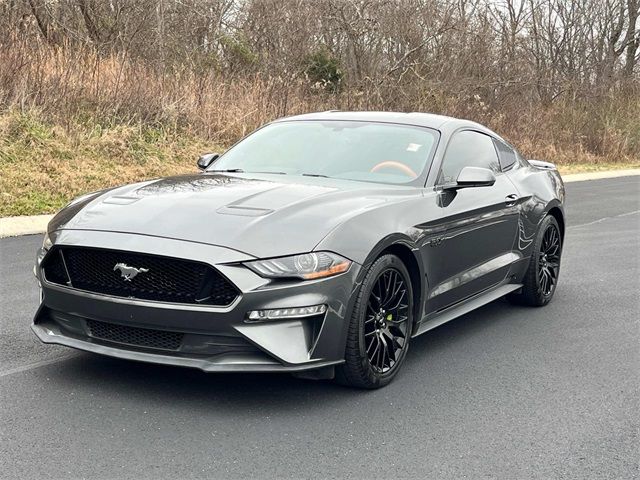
x: 190, y: 387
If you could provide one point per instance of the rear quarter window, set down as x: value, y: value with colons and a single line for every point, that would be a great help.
x: 506, y: 154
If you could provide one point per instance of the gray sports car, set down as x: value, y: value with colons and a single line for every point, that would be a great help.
x: 319, y: 245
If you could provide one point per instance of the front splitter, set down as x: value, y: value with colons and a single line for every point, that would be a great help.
x: 217, y: 363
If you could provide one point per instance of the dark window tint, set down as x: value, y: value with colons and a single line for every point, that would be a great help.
x: 507, y: 155
x: 468, y: 149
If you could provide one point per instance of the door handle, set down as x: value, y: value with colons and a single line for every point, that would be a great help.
x: 511, y: 200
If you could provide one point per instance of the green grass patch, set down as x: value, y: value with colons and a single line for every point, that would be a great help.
x: 44, y: 165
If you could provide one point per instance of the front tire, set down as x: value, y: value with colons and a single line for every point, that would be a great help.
x: 541, y: 279
x: 380, y: 326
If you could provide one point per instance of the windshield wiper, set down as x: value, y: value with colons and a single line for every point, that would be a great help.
x: 313, y: 175
x: 239, y: 170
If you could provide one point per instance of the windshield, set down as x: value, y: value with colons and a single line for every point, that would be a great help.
x: 374, y: 152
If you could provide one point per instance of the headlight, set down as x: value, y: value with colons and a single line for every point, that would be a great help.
x: 307, y: 266
x: 46, y: 242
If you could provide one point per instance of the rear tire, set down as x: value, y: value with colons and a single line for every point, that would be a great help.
x: 541, y: 279
x: 380, y: 326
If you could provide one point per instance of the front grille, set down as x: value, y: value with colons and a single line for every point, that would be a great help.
x: 138, y: 275
x: 139, y: 337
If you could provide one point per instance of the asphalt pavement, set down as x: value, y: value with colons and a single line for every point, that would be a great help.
x: 503, y: 392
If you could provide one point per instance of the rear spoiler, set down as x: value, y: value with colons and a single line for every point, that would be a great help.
x: 542, y: 165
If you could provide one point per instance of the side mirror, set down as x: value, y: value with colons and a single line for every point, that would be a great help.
x: 473, y: 177
x: 207, y: 159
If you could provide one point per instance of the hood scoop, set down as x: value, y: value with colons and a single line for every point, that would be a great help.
x: 244, y: 211
x: 120, y: 200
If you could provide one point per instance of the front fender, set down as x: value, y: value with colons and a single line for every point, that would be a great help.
x: 412, y: 221
x: 403, y: 228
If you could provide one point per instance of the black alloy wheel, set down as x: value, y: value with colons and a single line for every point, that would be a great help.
x: 385, y: 326
x: 549, y: 260
x: 380, y: 327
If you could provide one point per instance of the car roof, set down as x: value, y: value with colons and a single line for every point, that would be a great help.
x: 441, y: 123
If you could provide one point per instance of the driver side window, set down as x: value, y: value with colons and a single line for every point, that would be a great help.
x: 468, y: 149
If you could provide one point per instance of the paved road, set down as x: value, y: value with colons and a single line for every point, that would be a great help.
x: 503, y: 392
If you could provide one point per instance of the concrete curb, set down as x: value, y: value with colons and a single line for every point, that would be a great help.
x: 15, y: 226
x: 581, y: 177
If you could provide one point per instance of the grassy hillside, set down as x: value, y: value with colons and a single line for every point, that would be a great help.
x: 44, y: 164
x: 74, y: 119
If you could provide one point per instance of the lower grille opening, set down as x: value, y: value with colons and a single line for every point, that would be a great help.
x: 139, y: 337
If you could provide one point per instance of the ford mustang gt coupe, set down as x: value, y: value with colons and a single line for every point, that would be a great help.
x: 320, y: 245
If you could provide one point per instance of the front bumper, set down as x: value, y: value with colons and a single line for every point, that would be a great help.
x: 215, y: 339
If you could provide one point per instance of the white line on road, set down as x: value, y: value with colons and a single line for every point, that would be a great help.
x: 626, y: 214
x: 39, y: 364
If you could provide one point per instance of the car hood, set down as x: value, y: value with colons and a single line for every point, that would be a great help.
x: 261, y: 217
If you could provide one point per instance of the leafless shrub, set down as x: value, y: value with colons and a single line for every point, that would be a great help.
x: 558, y: 78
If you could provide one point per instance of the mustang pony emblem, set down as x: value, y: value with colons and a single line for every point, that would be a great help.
x: 128, y: 272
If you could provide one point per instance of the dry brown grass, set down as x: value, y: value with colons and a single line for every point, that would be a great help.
x: 43, y: 166
x: 72, y: 120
